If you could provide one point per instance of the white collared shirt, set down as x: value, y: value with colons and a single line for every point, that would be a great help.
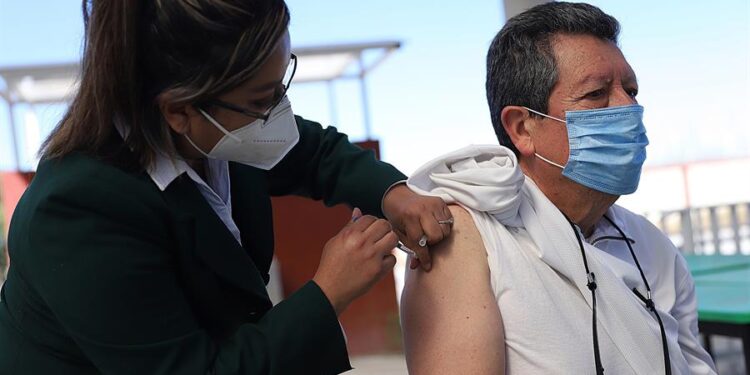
x: 666, y: 271
x: 217, y: 190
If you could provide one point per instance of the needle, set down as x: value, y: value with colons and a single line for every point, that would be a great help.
x: 407, y: 250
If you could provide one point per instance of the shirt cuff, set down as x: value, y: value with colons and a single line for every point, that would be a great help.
x: 393, y: 185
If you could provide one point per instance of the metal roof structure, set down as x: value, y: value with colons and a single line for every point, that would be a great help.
x: 56, y: 83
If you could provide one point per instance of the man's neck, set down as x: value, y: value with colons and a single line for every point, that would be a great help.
x: 582, y: 205
x: 584, y: 214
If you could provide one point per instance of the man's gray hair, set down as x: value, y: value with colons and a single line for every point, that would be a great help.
x: 521, y: 67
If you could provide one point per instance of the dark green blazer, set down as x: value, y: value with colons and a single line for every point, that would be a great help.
x: 111, y: 275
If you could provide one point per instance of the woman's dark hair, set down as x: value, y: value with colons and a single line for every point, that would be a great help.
x: 134, y: 51
x: 521, y: 67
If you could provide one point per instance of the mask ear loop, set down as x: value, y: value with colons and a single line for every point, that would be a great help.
x: 218, y: 126
x: 543, y: 115
x: 549, y: 161
x: 196, y: 146
x: 553, y: 118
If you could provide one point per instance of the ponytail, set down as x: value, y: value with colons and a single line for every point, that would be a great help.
x: 110, y: 83
x: 135, y: 50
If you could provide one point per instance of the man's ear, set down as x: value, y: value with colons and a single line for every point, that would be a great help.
x: 177, y: 115
x: 515, y: 120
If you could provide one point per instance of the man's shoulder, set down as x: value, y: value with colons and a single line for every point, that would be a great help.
x: 463, y: 248
x: 637, y: 222
x: 645, y: 231
x: 464, y: 225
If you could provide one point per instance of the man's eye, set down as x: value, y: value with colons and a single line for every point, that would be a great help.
x: 595, y: 94
x: 633, y: 93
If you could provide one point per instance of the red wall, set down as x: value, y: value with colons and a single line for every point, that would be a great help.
x: 12, y: 186
x: 302, y: 227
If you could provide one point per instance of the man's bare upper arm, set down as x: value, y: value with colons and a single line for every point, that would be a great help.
x: 450, y: 317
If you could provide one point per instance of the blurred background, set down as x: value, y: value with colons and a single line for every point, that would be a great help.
x: 408, y: 76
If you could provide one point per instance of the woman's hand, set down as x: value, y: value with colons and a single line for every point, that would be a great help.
x: 419, y: 221
x: 355, y: 259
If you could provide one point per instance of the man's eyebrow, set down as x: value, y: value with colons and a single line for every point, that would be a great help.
x: 604, y: 78
x: 630, y: 78
x: 595, y: 78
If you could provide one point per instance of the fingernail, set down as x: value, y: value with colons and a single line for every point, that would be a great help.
x: 356, y: 214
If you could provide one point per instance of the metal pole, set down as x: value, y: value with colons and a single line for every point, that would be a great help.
x: 687, y: 231
x: 365, y: 106
x: 514, y: 7
x: 663, y: 221
x: 332, y: 103
x: 704, y: 227
x: 735, y: 229
x: 714, y: 228
x: 14, y: 136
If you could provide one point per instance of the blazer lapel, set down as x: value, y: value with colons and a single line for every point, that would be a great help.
x: 212, y: 243
x: 252, y: 212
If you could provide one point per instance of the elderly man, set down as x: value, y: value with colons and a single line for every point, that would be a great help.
x: 543, y: 274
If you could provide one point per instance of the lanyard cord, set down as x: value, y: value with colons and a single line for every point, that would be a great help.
x: 647, y: 300
x: 591, y: 284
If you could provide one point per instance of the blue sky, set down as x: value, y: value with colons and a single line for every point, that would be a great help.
x: 691, y: 58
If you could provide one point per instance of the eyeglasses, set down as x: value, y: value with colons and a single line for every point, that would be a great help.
x: 278, y: 96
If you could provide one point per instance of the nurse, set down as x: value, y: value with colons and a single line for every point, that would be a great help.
x: 143, y: 244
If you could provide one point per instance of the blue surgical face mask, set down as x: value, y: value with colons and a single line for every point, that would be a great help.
x: 607, y: 148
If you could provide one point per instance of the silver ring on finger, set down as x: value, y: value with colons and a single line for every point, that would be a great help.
x: 448, y: 221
